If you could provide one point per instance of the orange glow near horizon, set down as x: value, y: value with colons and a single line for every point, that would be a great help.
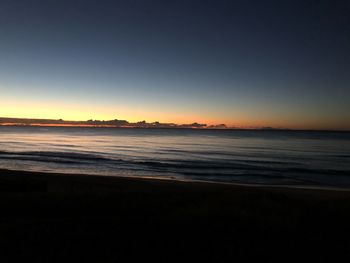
x: 82, y: 113
x: 67, y: 112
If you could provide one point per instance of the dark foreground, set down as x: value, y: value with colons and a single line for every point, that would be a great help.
x: 58, y: 218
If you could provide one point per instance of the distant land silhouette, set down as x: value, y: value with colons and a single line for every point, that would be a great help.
x: 102, y: 123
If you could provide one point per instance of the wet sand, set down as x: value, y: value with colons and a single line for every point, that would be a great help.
x: 82, y: 218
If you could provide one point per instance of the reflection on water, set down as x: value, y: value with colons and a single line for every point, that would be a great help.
x: 266, y: 157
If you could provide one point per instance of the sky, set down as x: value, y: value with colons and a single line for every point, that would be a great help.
x: 284, y: 64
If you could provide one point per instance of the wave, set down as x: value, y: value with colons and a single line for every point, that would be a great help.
x: 44, y: 160
x: 175, y: 163
x: 68, y: 155
x: 205, y: 169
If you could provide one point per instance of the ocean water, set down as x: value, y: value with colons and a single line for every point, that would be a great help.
x: 293, y: 158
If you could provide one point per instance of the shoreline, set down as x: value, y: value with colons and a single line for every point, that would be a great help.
x: 176, y: 180
x: 74, y: 182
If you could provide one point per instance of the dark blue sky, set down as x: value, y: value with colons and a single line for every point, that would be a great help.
x: 245, y: 63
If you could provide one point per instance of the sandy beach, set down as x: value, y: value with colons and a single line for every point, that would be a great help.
x: 56, y: 217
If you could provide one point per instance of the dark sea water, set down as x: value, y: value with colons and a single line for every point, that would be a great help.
x: 319, y: 159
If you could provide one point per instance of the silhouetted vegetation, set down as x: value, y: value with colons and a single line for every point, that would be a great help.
x: 109, y: 123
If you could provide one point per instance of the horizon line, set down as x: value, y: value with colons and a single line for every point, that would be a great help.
x: 194, y: 125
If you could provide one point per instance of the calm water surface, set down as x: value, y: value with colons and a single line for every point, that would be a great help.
x: 259, y: 157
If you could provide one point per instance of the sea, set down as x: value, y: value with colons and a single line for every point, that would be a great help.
x: 259, y: 157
